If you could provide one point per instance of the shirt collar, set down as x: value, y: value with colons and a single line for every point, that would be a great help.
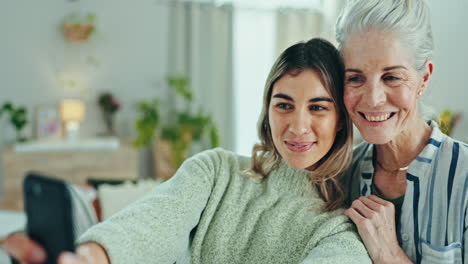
x: 417, y: 166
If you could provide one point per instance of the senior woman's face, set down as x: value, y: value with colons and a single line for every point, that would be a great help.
x: 381, y: 85
x: 303, y: 119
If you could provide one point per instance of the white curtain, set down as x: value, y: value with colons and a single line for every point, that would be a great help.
x: 200, y: 40
x: 294, y: 25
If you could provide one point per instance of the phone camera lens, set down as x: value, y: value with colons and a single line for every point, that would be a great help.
x: 36, y: 189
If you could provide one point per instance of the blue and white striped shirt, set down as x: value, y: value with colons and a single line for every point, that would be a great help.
x: 434, y: 217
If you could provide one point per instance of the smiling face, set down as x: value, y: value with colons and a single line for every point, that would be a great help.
x: 381, y: 85
x: 303, y: 119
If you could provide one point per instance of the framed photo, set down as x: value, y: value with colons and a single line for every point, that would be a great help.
x: 48, y: 124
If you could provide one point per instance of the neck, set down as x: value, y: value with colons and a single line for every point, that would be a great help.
x: 401, y: 151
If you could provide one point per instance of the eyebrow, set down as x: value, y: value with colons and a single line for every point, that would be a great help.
x: 385, y: 69
x: 395, y: 67
x: 353, y: 70
x: 312, y: 100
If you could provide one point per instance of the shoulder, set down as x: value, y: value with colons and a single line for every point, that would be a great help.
x: 449, y: 149
x: 352, y: 176
x: 217, y: 159
x: 360, y: 150
x: 458, y: 148
x: 453, y: 162
x: 452, y: 155
x: 449, y: 164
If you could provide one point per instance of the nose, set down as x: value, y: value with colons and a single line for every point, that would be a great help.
x: 374, y: 95
x: 300, y: 123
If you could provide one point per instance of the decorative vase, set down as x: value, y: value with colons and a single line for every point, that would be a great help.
x: 20, y: 137
x: 162, y: 160
x: 165, y: 164
x: 110, y: 124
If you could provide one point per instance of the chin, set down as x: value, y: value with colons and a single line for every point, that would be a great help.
x: 376, y: 139
x: 296, y: 164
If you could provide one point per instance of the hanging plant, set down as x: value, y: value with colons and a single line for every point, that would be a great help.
x: 78, y: 28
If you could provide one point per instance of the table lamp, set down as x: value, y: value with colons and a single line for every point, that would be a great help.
x: 72, y: 113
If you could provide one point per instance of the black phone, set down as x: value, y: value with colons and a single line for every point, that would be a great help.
x: 48, y: 208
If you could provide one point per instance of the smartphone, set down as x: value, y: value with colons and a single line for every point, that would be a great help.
x: 48, y: 209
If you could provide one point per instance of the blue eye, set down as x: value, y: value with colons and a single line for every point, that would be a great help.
x: 316, y: 108
x: 354, y: 79
x: 284, y: 106
x: 391, y: 78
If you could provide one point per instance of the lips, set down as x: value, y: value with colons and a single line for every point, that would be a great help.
x: 377, y: 117
x: 299, y: 146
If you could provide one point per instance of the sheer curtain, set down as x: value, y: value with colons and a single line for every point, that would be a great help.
x: 200, y: 40
x: 294, y: 25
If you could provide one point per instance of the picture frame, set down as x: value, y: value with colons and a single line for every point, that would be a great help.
x: 48, y: 123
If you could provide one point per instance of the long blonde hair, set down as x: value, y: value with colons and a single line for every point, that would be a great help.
x: 322, y: 57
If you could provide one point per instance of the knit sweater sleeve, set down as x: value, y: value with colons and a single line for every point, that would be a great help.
x: 156, y: 229
x: 336, y: 243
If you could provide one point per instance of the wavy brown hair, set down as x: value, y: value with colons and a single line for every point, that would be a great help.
x: 322, y: 57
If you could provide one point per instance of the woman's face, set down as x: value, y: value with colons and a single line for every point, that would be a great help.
x: 303, y: 119
x: 381, y: 85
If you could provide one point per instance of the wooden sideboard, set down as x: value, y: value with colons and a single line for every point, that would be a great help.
x: 72, y: 166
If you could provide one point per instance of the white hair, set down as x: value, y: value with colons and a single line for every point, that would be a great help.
x: 409, y: 19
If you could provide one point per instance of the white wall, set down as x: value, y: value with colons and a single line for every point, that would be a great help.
x: 254, y: 36
x: 449, y: 87
x: 127, y: 55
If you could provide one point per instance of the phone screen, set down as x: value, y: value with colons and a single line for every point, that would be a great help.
x: 49, y: 214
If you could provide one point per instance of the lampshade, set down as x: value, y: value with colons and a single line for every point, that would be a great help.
x: 72, y: 110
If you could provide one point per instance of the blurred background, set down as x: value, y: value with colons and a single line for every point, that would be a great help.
x: 128, y: 89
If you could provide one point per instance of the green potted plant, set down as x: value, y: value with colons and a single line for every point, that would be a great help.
x: 77, y: 27
x: 18, y: 118
x: 173, y: 136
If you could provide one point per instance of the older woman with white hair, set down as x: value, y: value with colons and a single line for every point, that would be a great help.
x: 408, y: 184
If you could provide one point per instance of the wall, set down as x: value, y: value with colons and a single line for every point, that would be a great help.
x: 449, y: 87
x: 253, y: 57
x: 127, y: 56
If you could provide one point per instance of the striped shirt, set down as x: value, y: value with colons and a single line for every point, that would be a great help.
x: 434, y: 213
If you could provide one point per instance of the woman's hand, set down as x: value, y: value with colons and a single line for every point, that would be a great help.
x: 23, y: 249
x: 375, y: 220
x: 90, y: 253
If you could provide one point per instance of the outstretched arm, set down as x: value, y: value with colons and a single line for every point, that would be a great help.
x: 157, y: 228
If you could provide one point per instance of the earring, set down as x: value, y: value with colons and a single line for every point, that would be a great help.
x: 420, y: 93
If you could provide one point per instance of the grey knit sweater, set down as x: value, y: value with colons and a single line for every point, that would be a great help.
x: 209, y: 212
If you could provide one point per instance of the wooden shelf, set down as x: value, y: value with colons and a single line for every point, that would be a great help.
x: 72, y: 166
